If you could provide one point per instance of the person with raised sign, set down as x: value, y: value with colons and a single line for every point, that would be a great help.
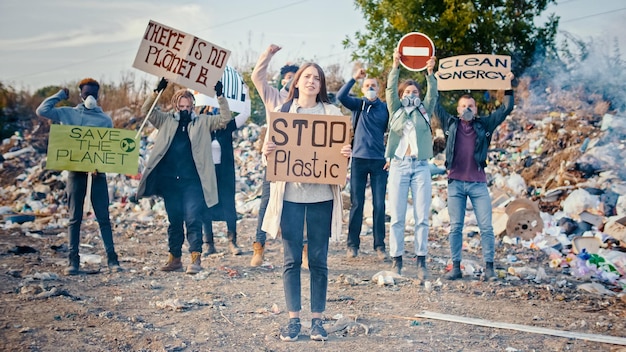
x: 271, y: 97
x: 181, y: 170
x: 294, y: 204
x: 369, y: 124
x: 224, y: 159
x: 467, y: 139
x: 409, y: 148
x: 87, y: 113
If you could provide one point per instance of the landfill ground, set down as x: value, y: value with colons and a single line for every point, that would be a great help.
x: 231, y: 306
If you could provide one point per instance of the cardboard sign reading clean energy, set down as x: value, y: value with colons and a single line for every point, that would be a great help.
x: 181, y: 58
x: 82, y: 148
x: 474, y: 71
x: 308, y: 148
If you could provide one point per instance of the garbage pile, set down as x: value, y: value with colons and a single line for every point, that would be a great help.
x: 558, y: 185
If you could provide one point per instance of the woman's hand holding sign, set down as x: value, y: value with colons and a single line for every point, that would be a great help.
x: 346, y: 150
x: 268, y: 148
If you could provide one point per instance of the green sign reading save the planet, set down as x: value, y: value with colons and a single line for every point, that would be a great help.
x: 83, y: 148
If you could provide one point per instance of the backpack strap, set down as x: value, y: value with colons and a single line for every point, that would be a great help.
x: 286, y: 106
x: 356, y: 121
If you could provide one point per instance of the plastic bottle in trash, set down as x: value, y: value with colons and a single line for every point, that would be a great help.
x: 523, y: 272
x: 585, y: 144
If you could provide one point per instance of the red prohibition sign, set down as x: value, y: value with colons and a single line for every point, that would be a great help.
x: 415, y: 49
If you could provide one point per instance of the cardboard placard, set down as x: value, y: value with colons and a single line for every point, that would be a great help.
x: 83, y: 148
x: 308, y: 148
x: 182, y: 58
x: 235, y: 91
x: 474, y: 72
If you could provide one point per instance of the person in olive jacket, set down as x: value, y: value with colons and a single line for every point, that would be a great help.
x: 181, y: 170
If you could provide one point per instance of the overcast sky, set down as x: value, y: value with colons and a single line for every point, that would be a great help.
x: 52, y: 42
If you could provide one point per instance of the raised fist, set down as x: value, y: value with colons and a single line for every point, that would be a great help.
x: 219, y: 89
x: 162, y: 85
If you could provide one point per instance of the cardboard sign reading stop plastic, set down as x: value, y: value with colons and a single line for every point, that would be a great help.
x: 415, y: 49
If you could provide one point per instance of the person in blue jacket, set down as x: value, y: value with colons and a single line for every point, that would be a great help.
x: 369, y: 123
x: 88, y: 113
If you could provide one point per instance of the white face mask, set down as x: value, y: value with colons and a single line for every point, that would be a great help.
x: 371, y: 94
x: 468, y: 114
x: 90, y: 102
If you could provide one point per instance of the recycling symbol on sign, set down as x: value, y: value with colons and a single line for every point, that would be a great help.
x: 128, y: 145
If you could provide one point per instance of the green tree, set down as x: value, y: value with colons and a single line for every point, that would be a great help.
x: 456, y: 27
x: 257, y: 108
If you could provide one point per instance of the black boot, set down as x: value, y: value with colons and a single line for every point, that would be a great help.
x: 232, y: 243
x: 208, y: 239
x: 489, y: 274
x: 73, y: 265
x: 113, y: 263
x: 455, y: 273
x: 422, y: 271
x: 396, y: 263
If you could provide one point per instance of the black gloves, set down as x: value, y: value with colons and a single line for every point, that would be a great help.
x: 219, y: 89
x: 162, y: 85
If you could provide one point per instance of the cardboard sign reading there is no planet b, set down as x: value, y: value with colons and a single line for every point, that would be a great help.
x: 474, y: 72
x: 182, y: 58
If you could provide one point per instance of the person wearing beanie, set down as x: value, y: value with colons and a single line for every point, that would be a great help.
x: 467, y: 140
x: 181, y: 170
x: 87, y: 113
x: 271, y: 97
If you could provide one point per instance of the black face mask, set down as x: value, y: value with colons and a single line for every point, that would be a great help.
x: 185, y: 117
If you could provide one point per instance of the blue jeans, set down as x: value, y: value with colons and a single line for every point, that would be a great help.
x: 265, y: 198
x: 184, y: 204
x: 478, y: 193
x: 318, y: 220
x: 76, y: 192
x: 404, y: 175
x: 359, y: 171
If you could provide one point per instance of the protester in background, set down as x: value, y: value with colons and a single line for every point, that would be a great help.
x: 181, y: 170
x: 88, y: 113
x: 224, y: 159
x: 271, y: 97
x: 409, y: 147
x: 467, y: 139
x: 293, y: 205
x: 369, y: 124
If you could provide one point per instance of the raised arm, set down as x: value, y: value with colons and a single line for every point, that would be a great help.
x: 156, y: 117
x: 432, y: 93
x: 225, y: 115
x: 391, y: 92
x: 270, y: 96
x: 47, y: 107
x: 343, y: 94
